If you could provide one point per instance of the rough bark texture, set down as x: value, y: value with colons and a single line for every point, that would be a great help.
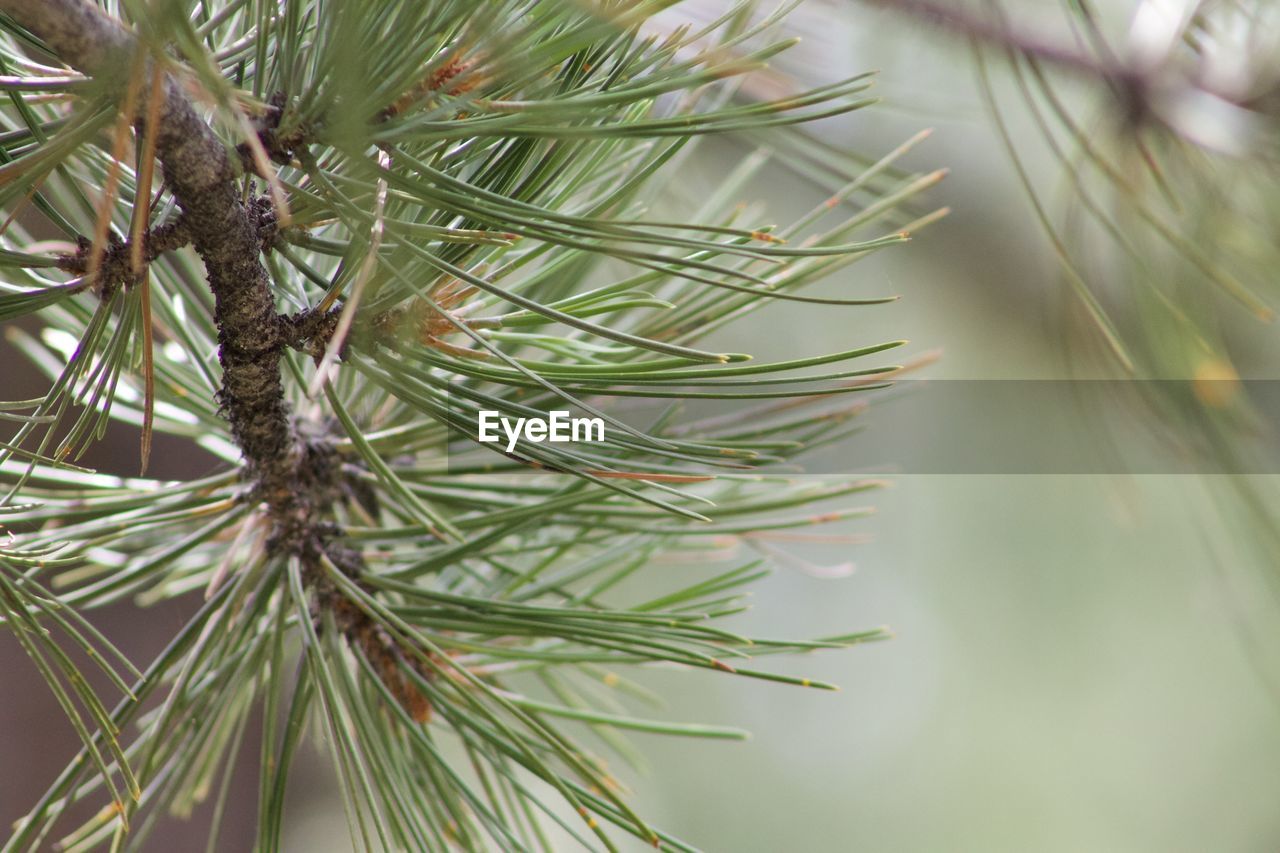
x: 201, y: 177
x: 297, y: 476
x: 115, y: 267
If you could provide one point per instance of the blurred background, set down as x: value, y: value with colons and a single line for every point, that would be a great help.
x: 1081, y: 661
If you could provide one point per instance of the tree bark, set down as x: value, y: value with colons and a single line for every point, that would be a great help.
x: 297, y: 477
x: 223, y: 230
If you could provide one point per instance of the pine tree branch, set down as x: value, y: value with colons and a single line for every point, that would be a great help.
x: 200, y: 175
x: 474, y: 226
x: 297, y: 477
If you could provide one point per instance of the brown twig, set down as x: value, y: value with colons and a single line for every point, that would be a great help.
x: 122, y: 262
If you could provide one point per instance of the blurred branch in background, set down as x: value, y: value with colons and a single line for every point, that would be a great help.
x: 1150, y: 74
x: 1166, y: 225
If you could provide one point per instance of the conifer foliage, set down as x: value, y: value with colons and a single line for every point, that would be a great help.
x: 315, y: 238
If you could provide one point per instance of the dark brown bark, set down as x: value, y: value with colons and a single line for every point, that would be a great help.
x: 199, y: 173
x: 115, y: 267
x: 298, y: 477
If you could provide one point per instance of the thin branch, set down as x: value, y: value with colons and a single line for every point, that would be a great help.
x: 996, y: 32
x: 1140, y: 86
x: 123, y: 262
